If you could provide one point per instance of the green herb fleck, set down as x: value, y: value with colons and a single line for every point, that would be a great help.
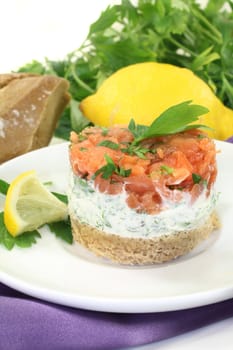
x: 84, y: 184
x: 197, y: 178
x: 109, y: 144
x: 47, y: 183
x: 166, y: 169
x: 104, y: 131
x: 137, y: 150
x: 110, y: 168
x: 107, y: 170
x: 123, y: 172
x: 81, y: 137
x: 201, y: 136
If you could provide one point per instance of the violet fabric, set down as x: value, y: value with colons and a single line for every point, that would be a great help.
x: 230, y: 139
x: 27, y: 323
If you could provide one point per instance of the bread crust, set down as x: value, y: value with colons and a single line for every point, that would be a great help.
x: 30, y: 106
x: 141, y: 251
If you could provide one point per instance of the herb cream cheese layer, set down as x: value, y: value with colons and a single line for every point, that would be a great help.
x: 111, y: 214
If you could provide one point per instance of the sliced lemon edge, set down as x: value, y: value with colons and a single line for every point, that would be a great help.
x: 14, y: 223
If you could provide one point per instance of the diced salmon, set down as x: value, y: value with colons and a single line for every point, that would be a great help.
x: 165, y: 173
x: 139, y: 184
x: 109, y: 186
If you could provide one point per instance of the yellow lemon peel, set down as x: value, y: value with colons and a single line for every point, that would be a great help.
x: 143, y: 91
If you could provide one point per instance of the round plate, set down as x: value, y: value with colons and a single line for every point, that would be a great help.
x: 69, y: 275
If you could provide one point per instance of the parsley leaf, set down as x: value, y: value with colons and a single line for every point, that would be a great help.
x: 137, y: 150
x: 61, y: 197
x: 106, y: 19
x: 25, y: 240
x: 198, y: 179
x: 109, y: 144
x: 62, y: 229
x: 173, y: 120
x: 166, y: 169
x: 110, y: 168
x: 123, y: 172
x: 107, y: 170
x: 137, y: 129
x: 3, y: 186
x: 78, y: 121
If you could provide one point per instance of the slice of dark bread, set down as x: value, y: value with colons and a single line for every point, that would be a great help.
x: 30, y: 106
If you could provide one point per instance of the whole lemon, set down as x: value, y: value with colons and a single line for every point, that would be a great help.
x: 143, y: 91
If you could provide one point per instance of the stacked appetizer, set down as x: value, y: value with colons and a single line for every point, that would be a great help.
x: 143, y: 195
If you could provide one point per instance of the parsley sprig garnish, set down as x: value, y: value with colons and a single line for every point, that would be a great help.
x: 175, y: 119
x: 110, y: 168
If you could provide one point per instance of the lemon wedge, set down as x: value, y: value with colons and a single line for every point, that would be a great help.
x: 30, y: 205
x: 143, y: 91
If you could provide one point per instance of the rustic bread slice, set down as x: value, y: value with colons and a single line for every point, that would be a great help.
x: 141, y: 251
x: 30, y: 106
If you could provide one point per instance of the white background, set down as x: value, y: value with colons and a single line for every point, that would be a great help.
x: 33, y: 29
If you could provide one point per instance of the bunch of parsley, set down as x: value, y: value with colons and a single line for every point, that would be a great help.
x: 178, y: 32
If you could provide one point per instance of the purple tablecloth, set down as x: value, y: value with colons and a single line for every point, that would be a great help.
x: 28, y: 323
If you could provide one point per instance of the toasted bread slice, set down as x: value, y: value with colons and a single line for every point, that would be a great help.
x: 30, y: 106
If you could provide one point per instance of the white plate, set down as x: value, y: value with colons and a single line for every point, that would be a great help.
x: 54, y: 271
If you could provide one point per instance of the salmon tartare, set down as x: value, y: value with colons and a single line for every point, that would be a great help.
x: 141, y: 203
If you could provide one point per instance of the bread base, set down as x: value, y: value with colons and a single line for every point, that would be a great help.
x: 141, y: 251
